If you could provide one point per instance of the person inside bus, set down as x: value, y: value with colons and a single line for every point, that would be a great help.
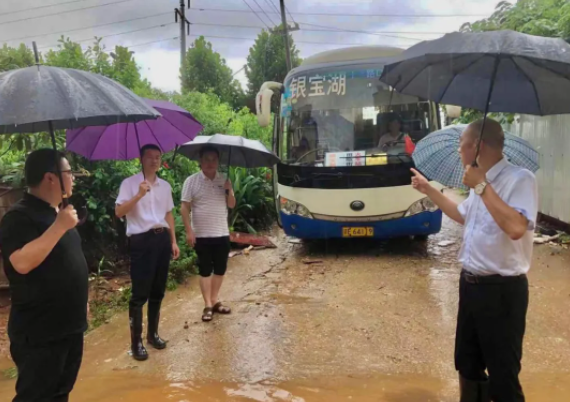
x: 394, y: 135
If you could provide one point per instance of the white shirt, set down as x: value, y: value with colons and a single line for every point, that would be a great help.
x: 486, y: 249
x: 208, y: 203
x: 150, y: 212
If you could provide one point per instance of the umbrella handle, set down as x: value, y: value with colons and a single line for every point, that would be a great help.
x: 491, y: 86
x: 228, y: 174
x: 64, y: 199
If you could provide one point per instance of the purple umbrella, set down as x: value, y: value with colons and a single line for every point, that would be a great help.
x: 123, y: 141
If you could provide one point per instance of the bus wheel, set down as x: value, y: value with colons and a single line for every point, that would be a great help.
x: 421, y: 238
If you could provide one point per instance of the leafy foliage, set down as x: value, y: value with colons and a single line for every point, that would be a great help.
x: 254, y: 199
x: 206, y: 71
x: 267, y: 60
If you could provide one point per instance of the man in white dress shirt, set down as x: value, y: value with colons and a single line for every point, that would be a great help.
x: 146, y: 201
x: 499, y: 217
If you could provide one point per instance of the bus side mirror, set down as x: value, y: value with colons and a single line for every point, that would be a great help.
x: 263, y: 102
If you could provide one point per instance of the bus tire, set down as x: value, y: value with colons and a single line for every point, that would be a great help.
x: 421, y: 238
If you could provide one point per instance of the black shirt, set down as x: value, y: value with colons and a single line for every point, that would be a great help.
x: 50, y: 302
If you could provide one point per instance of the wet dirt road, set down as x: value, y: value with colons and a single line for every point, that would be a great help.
x: 372, y: 322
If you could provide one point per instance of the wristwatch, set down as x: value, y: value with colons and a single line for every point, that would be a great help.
x: 480, y: 188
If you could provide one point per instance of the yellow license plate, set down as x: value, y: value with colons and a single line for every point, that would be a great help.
x: 357, y: 232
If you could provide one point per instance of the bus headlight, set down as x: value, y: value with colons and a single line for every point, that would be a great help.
x: 294, y: 208
x: 423, y: 205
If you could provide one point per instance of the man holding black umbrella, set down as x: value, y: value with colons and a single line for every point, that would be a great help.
x: 499, y: 219
x: 146, y: 201
x: 48, y: 278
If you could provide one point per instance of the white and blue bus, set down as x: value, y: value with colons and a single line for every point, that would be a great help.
x: 337, y: 178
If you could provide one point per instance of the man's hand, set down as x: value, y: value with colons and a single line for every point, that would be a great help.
x: 419, y: 182
x: 228, y: 185
x: 144, y: 188
x: 191, y: 238
x: 175, y: 251
x: 66, y: 218
x: 473, y: 176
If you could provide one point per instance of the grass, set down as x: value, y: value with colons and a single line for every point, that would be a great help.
x: 10, y: 373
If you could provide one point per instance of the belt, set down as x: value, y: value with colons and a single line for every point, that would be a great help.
x: 483, y: 279
x: 152, y: 231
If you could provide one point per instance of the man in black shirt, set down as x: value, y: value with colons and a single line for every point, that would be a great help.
x: 48, y: 275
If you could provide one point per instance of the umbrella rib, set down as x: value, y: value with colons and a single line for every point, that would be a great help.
x: 77, y: 135
x: 96, y: 145
x: 422, y: 70
x: 455, y: 76
x: 152, y: 132
x: 177, y: 129
x: 519, y: 68
x: 545, y: 67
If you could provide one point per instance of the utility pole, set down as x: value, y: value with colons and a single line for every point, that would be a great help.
x: 180, y: 16
x: 285, y: 35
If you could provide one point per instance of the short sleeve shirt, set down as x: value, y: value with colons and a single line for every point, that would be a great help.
x: 208, y: 202
x: 50, y: 302
x: 150, y: 212
x: 486, y: 249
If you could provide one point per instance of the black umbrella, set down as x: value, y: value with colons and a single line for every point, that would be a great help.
x: 43, y: 98
x: 499, y: 71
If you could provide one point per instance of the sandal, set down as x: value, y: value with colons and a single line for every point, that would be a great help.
x: 208, y: 314
x: 221, y: 309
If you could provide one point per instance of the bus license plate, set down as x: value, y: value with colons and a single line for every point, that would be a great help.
x: 357, y: 232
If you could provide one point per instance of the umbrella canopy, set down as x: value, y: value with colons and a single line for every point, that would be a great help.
x: 123, y: 141
x: 499, y: 71
x: 33, y: 98
x: 436, y: 155
x: 234, y: 150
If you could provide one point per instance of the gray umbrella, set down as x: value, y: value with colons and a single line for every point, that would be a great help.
x: 45, y: 98
x: 234, y: 150
x: 499, y: 71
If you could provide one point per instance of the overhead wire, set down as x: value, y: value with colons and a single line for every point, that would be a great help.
x: 64, y: 12
x: 85, y: 28
x: 355, y: 15
x: 40, y: 7
x: 263, y: 11
x: 257, y: 15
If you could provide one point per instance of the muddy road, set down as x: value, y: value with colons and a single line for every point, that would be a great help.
x: 370, y: 322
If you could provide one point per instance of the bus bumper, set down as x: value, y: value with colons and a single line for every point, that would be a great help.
x: 422, y: 224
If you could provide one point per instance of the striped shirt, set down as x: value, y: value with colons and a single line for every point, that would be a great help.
x: 208, y: 205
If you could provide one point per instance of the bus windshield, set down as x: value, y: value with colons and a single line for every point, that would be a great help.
x: 347, y: 117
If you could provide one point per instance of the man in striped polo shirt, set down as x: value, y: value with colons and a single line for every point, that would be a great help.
x: 206, y: 197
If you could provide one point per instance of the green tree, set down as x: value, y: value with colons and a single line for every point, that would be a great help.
x: 549, y: 18
x: 267, y: 60
x: 206, y: 71
x: 15, y: 57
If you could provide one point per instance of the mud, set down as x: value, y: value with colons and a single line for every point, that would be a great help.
x: 372, y: 322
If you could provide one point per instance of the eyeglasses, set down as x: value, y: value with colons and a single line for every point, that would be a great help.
x: 69, y: 172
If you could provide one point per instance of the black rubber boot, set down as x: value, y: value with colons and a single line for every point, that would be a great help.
x: 153, y: 320
x: 136, y: 320
x: 473, y: 391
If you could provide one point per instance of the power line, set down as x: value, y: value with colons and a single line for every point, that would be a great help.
x: 290, y: 15
x: 357, y: 15
x: 270, y: 3
x: 40, y: 7
x: 263, y: 11
x: 331, y: 29
x: 241, y: 38
x: 85, y: 28
x: 257, y: 15
x: 65, y: 12
x: 115, y: 34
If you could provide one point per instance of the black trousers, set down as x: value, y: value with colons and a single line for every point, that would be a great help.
x: 213, y: 253
x: 150, y: 259
x: 490, y: 330
x: 47, y: 371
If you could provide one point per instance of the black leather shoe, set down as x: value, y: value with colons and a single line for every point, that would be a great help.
x: 153, y: 319
x: 137, y: 348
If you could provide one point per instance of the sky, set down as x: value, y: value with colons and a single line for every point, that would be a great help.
x: 148, y: 26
